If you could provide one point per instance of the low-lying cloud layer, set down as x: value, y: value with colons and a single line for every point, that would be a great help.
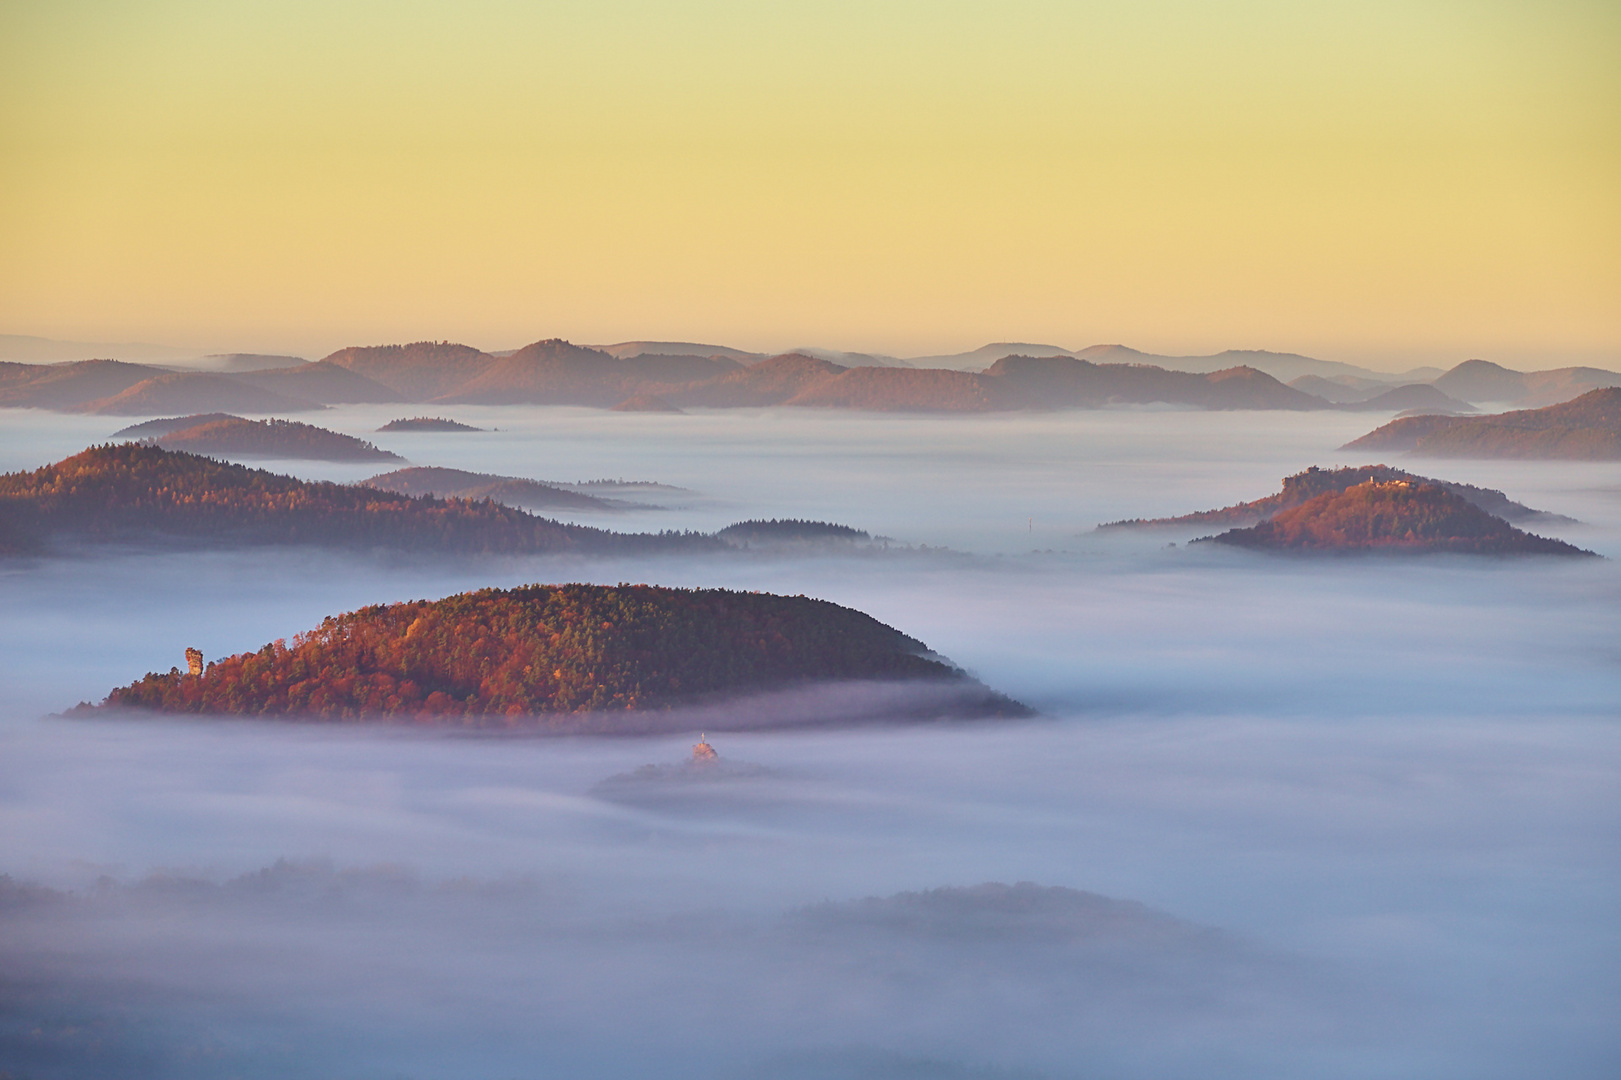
x: 1277, y: 818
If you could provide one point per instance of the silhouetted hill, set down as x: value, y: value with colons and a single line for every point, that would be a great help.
x: 508, y: 657
x: 235, y: 437
x: 556, y: 372
x: 1054, y: 382
x: 769, y: 382
x: 1586, y: 429
x: 645, y: 403
x: 789, y: 532
x: 1412, y: 396
x: 195, y: 392
x: 511, y: 490
x: 137, y: 493
x: 427, y: 423
x: 1341, y: 391
x: 230, y: 362
x: 626, y: 349
x: 1395, y: 516
x: 154, y: 429
x: 420, y: 371
x: 1305, y: 486
x: 1482, y: 380
x: 901, y: 390
x: 1282, y: 366
x: 68, y: 386
x: 323, y: 382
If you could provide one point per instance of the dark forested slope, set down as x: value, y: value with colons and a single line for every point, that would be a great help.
x: 136, y: 493
x: 512, y: 490
x: 505, y: 656
x: 236, y: 437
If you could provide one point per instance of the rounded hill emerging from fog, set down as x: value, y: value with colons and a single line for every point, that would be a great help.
x: 1396, y: 516
x: 505, y: 657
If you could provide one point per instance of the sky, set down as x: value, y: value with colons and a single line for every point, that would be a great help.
x: 1388, y: 183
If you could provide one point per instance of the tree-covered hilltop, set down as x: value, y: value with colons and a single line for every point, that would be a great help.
x: 503, y: 656
x: 427, y: 423
x: 236, y: 437
x: 790, y: 531
x: 1307, y: 485
x: 139, y: 493
x: 1392, y: 516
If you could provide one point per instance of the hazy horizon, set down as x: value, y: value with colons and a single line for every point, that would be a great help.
x: 1386, y: 183
x: 41, y: 349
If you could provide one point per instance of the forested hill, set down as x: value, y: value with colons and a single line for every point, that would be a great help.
x: 504, y: 657
x: 1395, y: 516
x: 132, y: 492
x: 1307, y: 485
x: 233, y: 436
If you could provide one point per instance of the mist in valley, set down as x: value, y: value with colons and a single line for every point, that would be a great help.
x: 1276, y: 817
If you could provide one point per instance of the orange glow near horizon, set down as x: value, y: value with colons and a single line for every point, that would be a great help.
x: 1386, y: 183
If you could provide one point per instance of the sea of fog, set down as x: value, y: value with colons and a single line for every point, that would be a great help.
x: 1277, y: 818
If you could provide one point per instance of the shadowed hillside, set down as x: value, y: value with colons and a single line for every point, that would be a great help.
x: 1586, y: 429
x: 235, y: 437
x: 511, y: 490
x: 1482, y: 380
x: 133, y: 493
x: 504, y: 657
x: 68, y: 386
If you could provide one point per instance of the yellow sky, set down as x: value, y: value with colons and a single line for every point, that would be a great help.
x: 1369, y: 181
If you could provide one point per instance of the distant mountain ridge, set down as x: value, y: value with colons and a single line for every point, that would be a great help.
x: 649, y: 376
x: 556, y: 372
x: 1585, y: 429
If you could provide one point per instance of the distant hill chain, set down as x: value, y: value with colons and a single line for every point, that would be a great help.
x: 1586, y: 429
x: 672, y: 376
x: 134, y: 493
x: 1391, y: 516
x: 534, y: 655
x: 1305, y: 486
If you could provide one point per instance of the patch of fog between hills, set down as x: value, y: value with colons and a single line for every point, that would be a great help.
x: 1128, y: 629
x: 304, y: 967
x: 1338, y: 900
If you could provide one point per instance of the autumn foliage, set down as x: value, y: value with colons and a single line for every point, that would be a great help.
x: 503, y: 656
x: 1394, y: 515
